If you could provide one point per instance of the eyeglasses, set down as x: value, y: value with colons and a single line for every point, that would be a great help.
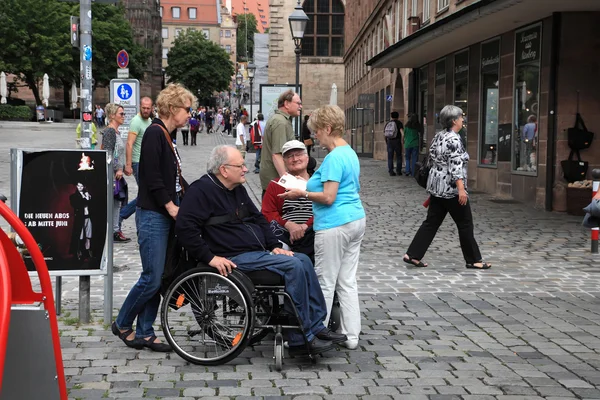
x: 297, y: 102
x: 240, y: 166
x: 294, y: 155
x: 187, y: 109
x: 121, y: 114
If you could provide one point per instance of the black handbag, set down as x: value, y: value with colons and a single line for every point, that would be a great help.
x: 574, y: 170
x: 579, y: 137
x: 422, y: 171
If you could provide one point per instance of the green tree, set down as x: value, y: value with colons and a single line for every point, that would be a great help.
x: 246, y: 28
x: 199, y: 64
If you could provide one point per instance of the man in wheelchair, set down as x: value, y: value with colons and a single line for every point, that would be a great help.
x: 219, y: 225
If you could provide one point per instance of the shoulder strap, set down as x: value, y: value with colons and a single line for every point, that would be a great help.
x: 168, y: 137
x: 242, y: 213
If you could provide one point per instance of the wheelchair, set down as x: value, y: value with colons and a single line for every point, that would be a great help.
x: 209, y: 319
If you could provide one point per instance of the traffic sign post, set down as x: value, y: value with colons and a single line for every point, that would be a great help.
x: 126, y: 93
x: 122, y: 59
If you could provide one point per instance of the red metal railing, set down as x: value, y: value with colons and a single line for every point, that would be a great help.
x: 21, y: 291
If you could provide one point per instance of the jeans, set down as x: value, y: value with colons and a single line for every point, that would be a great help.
x: 143, y: 300
x: 412, y: 153
x: 301, y: 284
x: 257, y: 161
x: 129, y: 208
x: 336, y: 261
x: 438, y: 208
x: 394, y: 146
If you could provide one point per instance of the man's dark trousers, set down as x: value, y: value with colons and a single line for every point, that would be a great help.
x: 394, y: 146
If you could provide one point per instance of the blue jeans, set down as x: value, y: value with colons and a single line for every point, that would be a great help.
x: 394, y: 146
x: 257, y: 161
x: 129, y: 209
x: 301, y: 284
x: 143, y: 300
x: 412, y: 153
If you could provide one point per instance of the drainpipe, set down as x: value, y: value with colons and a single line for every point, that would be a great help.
x: 552, y: 125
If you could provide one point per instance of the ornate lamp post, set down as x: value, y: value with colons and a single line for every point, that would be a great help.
x: 251, y: 69
x: 298, y: 21
x: 238, y: 80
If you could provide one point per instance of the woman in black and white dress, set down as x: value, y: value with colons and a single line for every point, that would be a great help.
x: 447, y: 185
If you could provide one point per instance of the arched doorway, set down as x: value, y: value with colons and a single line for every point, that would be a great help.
x: 398, y: 98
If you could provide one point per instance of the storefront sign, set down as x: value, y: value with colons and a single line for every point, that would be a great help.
x: 527, y: 47
x: 62, y: 200
x: 490, y: 56
x: 366, y: 98
x: 423, y: 78
x: 461, y: 65
x: 440, y: 72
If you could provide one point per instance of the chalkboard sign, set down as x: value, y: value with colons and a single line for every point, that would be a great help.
x: 504, y: 142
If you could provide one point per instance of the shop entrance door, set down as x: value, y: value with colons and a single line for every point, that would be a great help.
x: 363, y: 138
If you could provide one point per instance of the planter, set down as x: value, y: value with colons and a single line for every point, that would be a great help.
x: 577, y: 199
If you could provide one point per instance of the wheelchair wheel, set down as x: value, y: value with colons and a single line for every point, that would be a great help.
x: 207, y: 318
x: 278, y: 351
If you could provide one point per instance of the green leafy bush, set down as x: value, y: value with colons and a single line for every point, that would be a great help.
x: 15, y: 113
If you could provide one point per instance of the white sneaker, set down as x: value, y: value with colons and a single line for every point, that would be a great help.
x: 350, y: 344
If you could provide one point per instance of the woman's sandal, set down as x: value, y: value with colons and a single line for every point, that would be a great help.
x: 160, y: 347
x: 133, y: 343
x: 413, y: 262
x: 484, y: 265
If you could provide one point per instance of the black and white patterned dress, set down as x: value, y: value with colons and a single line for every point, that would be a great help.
x: 449, y: 161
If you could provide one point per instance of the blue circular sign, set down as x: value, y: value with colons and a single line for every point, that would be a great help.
x: 124, y: 91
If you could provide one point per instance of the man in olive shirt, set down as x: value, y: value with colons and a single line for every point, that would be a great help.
x: 278, y: 131
x: 137, y: 127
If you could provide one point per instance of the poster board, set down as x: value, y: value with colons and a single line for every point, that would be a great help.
x: 64, y: 198
x: 269, y: 95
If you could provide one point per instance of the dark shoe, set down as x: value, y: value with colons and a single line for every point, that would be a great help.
x: 133, y: 343
x: 392, y: 173
x: 159, y: 347
x: 414, y: 262
x: 328, y: 335
x: 315, y: 346
x: 484, y: 265
x: 257, y: 171
x: 119, y: 237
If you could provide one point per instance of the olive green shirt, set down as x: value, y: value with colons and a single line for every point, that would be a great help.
x: 278, y: 131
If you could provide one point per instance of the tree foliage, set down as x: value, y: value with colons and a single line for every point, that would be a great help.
x: 34, y: 40
x: 199, y: 64
x: 245, y: 37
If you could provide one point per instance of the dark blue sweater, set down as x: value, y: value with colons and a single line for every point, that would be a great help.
x: 208, y: 198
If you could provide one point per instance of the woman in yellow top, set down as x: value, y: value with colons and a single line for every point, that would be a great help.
x: 94, y: 137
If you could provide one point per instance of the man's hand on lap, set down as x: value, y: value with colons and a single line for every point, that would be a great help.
x: 222, y: 264
x: 278, y: 250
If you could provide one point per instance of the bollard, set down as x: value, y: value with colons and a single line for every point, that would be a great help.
x: 595, y: 187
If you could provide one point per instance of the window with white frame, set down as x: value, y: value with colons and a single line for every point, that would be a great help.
x: 227, y: 33
x: 378, y: 44
x: 161, y: 11
x: 426, y: 10
x: 165, y: 33
x: 176, y: 12
x: 192, y: 12
x: 177, y: 32
x: 206, y: 33
x: 397, y: 22
x: 442, y: 4
x: 413, y: 8
x: 228, y: 49
x: 165, y: 52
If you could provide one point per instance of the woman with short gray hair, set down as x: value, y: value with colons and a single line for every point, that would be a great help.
x: 447, y: 186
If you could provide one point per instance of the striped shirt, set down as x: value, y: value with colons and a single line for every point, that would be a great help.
x: 298, y: 211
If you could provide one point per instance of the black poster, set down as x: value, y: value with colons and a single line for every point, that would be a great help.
x: 504, y: 142
x: 527, y: 48
x: 490, y: 56
x: 440, y: 72
x: 62, y: 202
x: 461, y: 65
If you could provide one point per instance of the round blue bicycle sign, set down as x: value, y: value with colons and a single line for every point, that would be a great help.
x: 124, y: 91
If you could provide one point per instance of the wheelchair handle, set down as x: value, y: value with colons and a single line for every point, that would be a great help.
x: 3, y: 198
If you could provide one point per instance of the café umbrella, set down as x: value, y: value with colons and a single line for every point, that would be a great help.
x: 333, y: 97
x: 45, y: 90
x: 3, y: 87
x: 74, y: 96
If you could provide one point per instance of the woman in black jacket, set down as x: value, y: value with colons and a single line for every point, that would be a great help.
x: 161, y: 187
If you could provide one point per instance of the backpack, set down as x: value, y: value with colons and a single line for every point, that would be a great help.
x: 391, y: 130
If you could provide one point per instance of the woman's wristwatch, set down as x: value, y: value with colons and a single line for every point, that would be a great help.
x: 306, y: 195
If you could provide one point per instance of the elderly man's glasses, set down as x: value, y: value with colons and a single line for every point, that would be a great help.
x: 241, y: 166
x: 294, y: 155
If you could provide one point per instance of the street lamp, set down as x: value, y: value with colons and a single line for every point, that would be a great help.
x: 238, y: 80
x: 298, y: 21
x: 251, y: 69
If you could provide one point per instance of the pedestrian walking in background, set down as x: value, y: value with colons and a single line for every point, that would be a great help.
x: 257, y: 136
x: 339, y: 219
x: 219, y: 123
x: 307, y: 135
x: 194, y: 128
x: 240, y: 138
x: 137, y: 127
x: 160, y: 191
x: 278, y: 131
x: 393, y: 139
x: 447, y: 186
x: 185, y: 133
x: 99, y: 116
x: 114, y: 146
x: 227, y: 122
x: 411, y: 143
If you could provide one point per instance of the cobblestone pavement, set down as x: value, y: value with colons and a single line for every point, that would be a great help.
x: 525, y: 329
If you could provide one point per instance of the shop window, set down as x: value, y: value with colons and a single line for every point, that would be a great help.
x: 527, y: 97
x: 423, y: 86
x: 324, y: 34
x: 439, y: 99
x: 490, y: 77
x: 461, y: 89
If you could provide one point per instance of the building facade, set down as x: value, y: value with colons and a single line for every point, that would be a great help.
x: 514, y: 67
x: 180, y: 15
x: 260, y: 9
x: 321, y: 62
x: 227, y: 34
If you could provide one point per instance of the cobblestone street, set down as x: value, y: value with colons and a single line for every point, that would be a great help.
x: 528, y: 328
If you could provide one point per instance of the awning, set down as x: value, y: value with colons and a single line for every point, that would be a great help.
x: 474, y: 23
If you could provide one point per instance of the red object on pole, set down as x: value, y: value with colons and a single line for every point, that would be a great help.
x: 21, y: 289
x: 5, y: 298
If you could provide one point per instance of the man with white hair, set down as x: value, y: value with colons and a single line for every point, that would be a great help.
x: 213, y: 224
